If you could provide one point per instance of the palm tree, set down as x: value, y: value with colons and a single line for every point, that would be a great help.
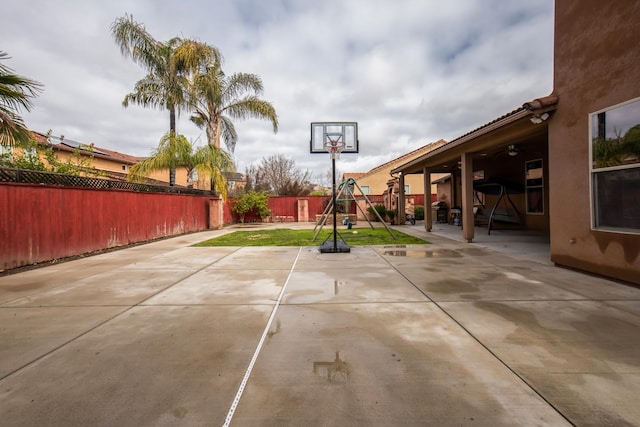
x: 16, y: 93
x: 217, y: 99
x: 169, y: 65
x: 175, y: 151
x: 216, y: 164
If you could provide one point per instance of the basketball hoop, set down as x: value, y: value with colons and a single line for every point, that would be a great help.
x: 334, y: 138
x: 334, y: 148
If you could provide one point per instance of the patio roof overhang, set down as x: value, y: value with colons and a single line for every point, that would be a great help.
x: 527, y: 123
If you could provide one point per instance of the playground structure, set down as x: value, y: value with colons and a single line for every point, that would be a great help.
x: 346, y: 193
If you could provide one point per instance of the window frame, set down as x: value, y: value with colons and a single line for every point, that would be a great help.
x: 594, y: 171
x: 6, y: 150
x: 536, y: 187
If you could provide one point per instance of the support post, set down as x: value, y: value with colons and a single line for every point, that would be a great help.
x: 467, y: 197
x: 400, y: 216
x: 428, y: 217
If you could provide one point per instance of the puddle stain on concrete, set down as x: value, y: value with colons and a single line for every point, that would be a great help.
x: 471, y: 285
x: 437, y: 253
x: 179, y: 412
x: 474, y: 251
x: 26, y: 287
x: 571, y: 332
x: 337, y: 370
x: 277, y: 329
x: 604, y: 361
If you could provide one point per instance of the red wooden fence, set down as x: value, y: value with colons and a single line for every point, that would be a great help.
x: 42, y: 223
x: 283, y: 208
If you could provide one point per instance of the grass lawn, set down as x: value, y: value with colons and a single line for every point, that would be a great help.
x: 288, y: 237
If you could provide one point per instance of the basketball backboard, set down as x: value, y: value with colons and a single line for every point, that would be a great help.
x: 325, y: 132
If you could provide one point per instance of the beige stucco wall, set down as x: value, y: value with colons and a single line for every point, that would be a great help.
x: 115, y: 165
x: 377, y: 178
x: 377, y: 181
x: 596, y: 67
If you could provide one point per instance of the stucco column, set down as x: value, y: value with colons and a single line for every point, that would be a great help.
x: 428, y: 217
x: 400, y: 217
x: 216, y: 213
x: 303, y: 210
x: 467, y: 197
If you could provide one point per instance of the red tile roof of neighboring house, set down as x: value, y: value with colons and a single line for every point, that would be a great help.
x: 354, y: 175
x: 90, y: 149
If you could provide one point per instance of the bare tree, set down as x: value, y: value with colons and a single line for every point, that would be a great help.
x: 279, y: 176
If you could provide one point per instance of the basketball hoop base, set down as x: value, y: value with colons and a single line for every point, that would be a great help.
x: 327, y: 247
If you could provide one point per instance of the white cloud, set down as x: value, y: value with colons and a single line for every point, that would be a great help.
x: 409, y: 71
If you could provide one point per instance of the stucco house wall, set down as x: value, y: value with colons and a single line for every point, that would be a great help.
x: 377, y: 178
x: 597, y: 66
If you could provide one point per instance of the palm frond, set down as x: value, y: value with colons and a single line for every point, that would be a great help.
x: 173, y: 151
x: 194, y: 56
x: 213, y: 96
x: 239, y: 84
x: 229, y: 134
x: 16, y: 93
x: 214, y: 163
x: 135, y: 42
x: 253, y: 107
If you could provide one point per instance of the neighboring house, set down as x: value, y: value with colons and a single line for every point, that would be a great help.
x: 569, y: 161
x: 236, y: 182
x: 376, y: 181
x: 110, y: 164
x: 382, y: 186
x: 113, y: 164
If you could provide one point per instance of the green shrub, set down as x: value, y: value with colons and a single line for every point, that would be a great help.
x: 418, y: 212
x: 382, y: 211
x: 391, y: 214
x: 257, y: 201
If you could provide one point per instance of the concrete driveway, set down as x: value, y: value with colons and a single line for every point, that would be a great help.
x: 451, y: 333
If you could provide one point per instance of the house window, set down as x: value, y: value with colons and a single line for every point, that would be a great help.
x: 124, y: 167
x: 365, y: 189
x: 6, y: 151
x: 30, y: 154
x: 534, y: 186
x: 407, y: 189
x: 615, y: 167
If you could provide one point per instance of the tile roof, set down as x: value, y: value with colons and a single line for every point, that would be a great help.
x: 65, y: 144
x: 417, y: 152
x: 529, y: 109
x: 543, y: 103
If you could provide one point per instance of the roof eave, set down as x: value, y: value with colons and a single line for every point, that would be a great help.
x: 528, y: 109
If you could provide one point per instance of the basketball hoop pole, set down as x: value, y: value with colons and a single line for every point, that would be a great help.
x: 334, y: 147
x: 335, y: 210
x: 334, y: 138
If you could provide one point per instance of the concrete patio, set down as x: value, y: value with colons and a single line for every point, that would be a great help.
x: 449, y: 333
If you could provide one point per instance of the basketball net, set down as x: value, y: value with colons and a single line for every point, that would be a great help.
x: 334, y: 148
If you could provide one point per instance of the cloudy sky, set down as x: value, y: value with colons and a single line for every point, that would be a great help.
x: 410, y: 72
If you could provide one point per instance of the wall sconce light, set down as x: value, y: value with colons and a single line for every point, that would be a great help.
x: 512, y: 151
x: 537, y: 119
